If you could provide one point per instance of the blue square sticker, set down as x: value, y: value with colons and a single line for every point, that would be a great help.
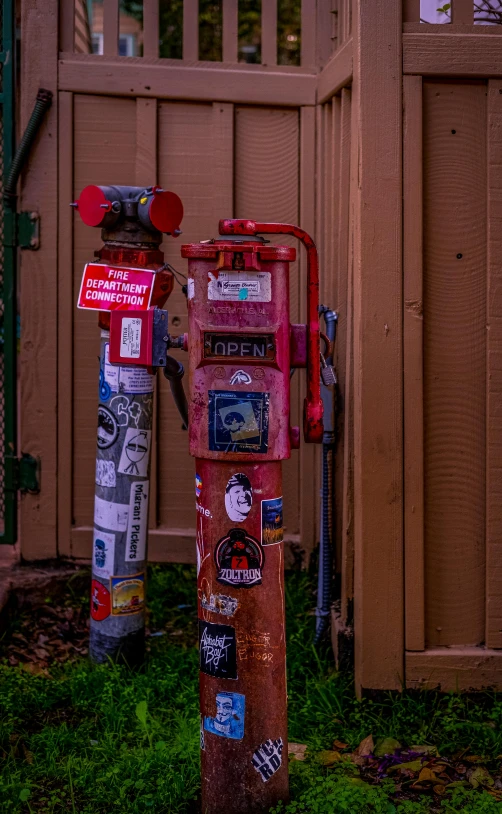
x: 228, y: 722
x: 238, y: 422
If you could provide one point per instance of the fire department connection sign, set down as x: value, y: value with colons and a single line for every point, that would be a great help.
x: 106, y: 288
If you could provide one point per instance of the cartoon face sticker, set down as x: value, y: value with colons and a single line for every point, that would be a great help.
x: 239, y: 559
x: 229, y: 719
x: 238, y: 497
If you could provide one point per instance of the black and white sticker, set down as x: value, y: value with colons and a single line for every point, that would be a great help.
x: 268, y: 758
x: 137, y: 526
x: 239, y: 559
x: 130, y: 338
x: 217, y: 650
x: 135, y: 453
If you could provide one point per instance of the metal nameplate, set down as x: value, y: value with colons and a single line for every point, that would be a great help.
x: 239, y: 346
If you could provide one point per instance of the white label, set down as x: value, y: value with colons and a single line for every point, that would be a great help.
x: 105, y: 473
x: 103, y: 553
x: 130, y: 339
x: 135, y: 452
x: 127, y: 379
x: 190, y: 289
x: 109, y: 515
x: 240, y: 286
x: 138, y: 522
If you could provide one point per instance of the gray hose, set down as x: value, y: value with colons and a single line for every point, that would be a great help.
x: 42, y: 104
x: 174, y: 372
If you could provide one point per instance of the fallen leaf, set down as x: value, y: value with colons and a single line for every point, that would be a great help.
x: 365, y: 747
x: 328, y: 757
x: 481, y: 777
x: 427, y: 776
x: 438, y: 789
x: 424, y: 749
x: 475, y: 758
x: 386, y: 746
x: 339, y: 745
x: 412, y: 765
x: 297, y: 750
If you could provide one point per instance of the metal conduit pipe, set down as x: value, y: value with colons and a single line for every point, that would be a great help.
x: 174, y: 372
x: 42, y: 104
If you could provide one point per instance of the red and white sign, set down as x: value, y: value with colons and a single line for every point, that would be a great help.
x: 114, y: 288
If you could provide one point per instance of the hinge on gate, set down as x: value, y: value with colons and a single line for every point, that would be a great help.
x: 21, y: 474
x: 28, y: 230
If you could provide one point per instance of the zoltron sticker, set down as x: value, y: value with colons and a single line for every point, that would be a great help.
x: 268, y: 758
x: 229, y: 719
x: 135, y: 452
x: 239, y: 559
x: 100, y: 601
x: 128, y: 594
x: 240, y: 286
x: 108, y: 428
x: 103, y: 553
x: 272, y: 530
x: 217, y: 650
x: 238, y: 422
x: 138, y: 522
x: 238, y: 497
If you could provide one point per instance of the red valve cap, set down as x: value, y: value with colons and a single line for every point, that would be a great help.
x: 166, y: 212
x: 90, y: 205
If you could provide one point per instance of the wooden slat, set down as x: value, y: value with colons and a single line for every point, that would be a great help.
x: 66, y: 307
x: 331, y: 289
x: 151, y: 28
x: 111, y: 28
x: 454, y: 167
x: 191, y: 29
x: 308, y: 460
x: 324, y: 23
x: 460, y: 55
x: 463, y: 12
x: 38, y: 284
x: 337, y: 74
x: 345, y: 466
x: 222, y: 132
x: 494, y: 373
x: 450, y: 29
x: 269, y: 33
x: 308, y: 44
x: 413, y: 364
x: 131, y: 77
x: 411, y: 11
x: 146, y: 175
x: 230, y: 30
x: 67, y: 26
x: 454, y: 669
x: 378, y: 441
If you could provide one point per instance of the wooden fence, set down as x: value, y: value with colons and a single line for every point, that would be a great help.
x: 407, y: 213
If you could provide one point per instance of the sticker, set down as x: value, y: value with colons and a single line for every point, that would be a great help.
x: 109, y: 515
x: 138, y: 522
x: 108, y: 429
x: 105, y: 473
x: 103, y: 553
x: 190, y: 289
x: 219, y: 603
x: 238, y: 422
x: 238, y: 497
x: 217, y: 650
x: 241, y: 345
x: 135, y: 453
x: 100, y: 601
x: 198, y: 485
x: 240, y: 286
x: 105, y: 390
x: 239, y: 559
x: 106, y: 288
x: 130, y: 337
x: 134, y: 380
x: 268, y: 758
x: 204, y: 512
x: 272, y: 530
x: 128, y: 594
x: 202, y: 741
x: 240, y: 377
x: 229, y: 719
x: 125, y: 409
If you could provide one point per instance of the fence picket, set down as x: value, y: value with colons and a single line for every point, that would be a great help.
x: 191, y: 30
x: 269, y: 32
x: 111, y: 28
x: 151, y: 28
x: 308, y: 33
x: 230, y: 20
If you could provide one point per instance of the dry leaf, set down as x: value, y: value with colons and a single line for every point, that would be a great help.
x: 365, y: 747
x: 339, y: 745
x: 327, y: 757
x: 386, y: 746
x: 297, y: 750
x: 427, y: 776
x: 439, y: 789
x: 412, y: 765
x: 424, y: 749
x: 481, y: 777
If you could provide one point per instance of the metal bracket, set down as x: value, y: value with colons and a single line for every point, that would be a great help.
x: 28, y: 230
x: 22, y: 474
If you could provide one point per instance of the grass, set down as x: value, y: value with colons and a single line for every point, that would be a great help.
x: 100, y: 739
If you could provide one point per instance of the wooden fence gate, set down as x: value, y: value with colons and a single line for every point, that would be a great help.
x: 407, y: 211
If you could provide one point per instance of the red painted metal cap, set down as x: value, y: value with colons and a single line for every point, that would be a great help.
x: 93, y: 206
x: 211, y: 248
x: 164, y: 211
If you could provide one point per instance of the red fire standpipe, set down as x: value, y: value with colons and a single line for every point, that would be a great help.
x: 241, y: 348
x: 129, y: 280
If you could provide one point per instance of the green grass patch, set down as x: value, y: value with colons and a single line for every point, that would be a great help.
x: 96, y: 740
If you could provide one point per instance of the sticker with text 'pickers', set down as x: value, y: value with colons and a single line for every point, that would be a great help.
x: 109, y: 288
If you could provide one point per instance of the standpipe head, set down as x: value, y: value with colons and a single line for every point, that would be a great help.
x: 112, y: 208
